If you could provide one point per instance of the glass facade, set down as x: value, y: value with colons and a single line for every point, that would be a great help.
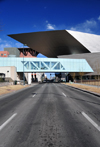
x: 47, y: 64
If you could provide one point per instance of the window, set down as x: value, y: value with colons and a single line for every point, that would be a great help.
x: 4, y: 54
x: 1, y: 54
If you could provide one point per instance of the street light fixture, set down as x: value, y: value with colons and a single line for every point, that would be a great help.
x: 23, y: 64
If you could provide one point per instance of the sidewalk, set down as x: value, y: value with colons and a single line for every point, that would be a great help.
x: 87, y: 88
x: 87, y: 85
x: 11, y: 89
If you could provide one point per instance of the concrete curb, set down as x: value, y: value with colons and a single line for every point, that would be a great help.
x: 93, y: 93
x: 14, y: 92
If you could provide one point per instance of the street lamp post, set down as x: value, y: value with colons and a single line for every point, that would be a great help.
x: 66, y: 76
x: 23, y: 65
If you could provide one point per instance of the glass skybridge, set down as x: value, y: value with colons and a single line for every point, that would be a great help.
x: 46, y: 64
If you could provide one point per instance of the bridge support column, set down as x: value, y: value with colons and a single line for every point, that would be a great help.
x: 29, y: 78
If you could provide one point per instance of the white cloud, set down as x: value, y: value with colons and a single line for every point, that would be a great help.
x: 34, y: 26
x: 86, y: 26
x: 5, y: 43
x: 0, y: 40
x: 73, y: 28
x: 2, y: 46
x: 18, y: 44
x: 50, y: 26
x: 90, y: 23
x: 99, y: 18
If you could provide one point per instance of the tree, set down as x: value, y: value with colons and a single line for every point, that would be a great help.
x: 96, y: 78
x: 81, y: 73
x: 73, y: 75
x: 97, y: 67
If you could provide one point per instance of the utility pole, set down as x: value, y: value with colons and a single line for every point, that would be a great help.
x: 23, y: 65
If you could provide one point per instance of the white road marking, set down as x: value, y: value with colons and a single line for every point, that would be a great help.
x: 91, y: 121
x: 34, y: 95
x: 63, y: 94
x: 5, y: 123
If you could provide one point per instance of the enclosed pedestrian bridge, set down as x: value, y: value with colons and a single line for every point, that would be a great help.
x: 47, y: 64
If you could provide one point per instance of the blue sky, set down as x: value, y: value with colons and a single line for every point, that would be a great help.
x: 22, y: 16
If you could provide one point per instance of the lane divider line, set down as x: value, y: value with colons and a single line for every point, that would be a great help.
x: 91, y: 121
x: 64, y: 94
x: 5, y: 123
x: 34, y: 95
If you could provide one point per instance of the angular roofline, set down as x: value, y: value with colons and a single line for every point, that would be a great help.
x: 59, y: 42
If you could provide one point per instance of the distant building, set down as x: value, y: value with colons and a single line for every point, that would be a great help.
x: 12, y: 51
x: 12, y: 75
x: 4, y: 53
x: 28, y: 53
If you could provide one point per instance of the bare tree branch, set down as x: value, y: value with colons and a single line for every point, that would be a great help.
x: 97, y: 65
x: 73, y: 75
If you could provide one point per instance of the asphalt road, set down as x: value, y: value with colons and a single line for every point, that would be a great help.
x: 50, y: 115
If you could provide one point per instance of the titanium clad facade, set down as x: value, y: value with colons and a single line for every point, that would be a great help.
x: 93, y: 60
x: 60, y: 42
x: 90, y: 41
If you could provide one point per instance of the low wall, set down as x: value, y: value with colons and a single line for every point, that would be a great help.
x: 89, y: 82
x: 5, y: 83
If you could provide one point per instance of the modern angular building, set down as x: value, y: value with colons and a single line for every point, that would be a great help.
x: 64, y: 44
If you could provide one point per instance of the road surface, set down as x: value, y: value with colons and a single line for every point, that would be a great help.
x: 50, y: 115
